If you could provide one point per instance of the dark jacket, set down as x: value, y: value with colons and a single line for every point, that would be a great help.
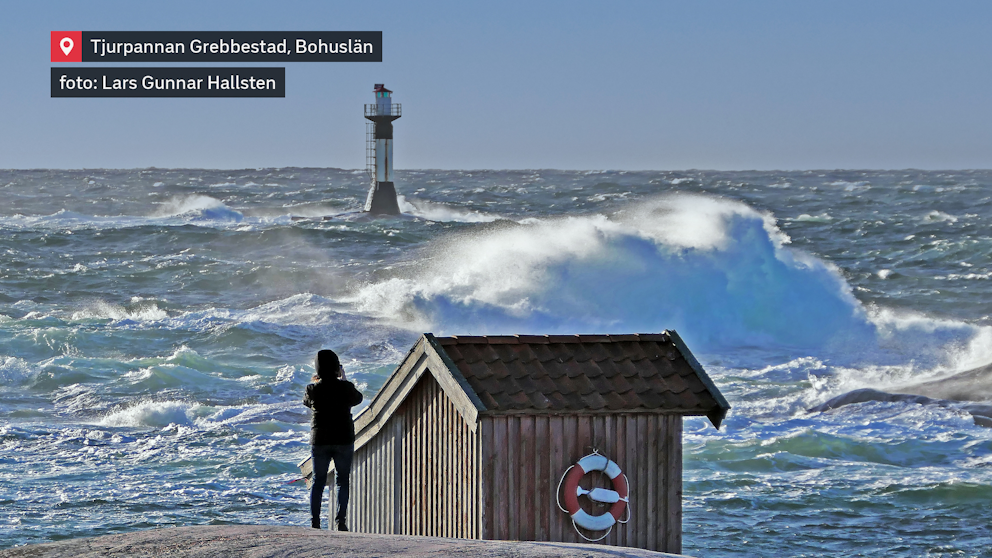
x: 331, y: 401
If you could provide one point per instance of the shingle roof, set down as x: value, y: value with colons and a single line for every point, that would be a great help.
x: 598, y: 373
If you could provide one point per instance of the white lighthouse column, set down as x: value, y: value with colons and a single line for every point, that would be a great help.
x: 382, y: 194
x: 383, y: 160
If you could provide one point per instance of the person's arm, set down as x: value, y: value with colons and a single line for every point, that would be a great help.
x: 356, y: 396
x: 306, y: 397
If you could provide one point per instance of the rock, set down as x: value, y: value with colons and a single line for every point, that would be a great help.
x: 981, y: 413
x: 864, y: 395
x: 266, y: 541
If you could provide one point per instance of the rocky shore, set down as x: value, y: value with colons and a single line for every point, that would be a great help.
x: 264, y: 541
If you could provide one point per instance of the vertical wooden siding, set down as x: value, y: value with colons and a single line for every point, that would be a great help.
x: 420, y: 474
x: 427, y: 473
x: 524, y: 457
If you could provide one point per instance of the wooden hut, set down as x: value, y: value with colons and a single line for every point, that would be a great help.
x: 471, y: 436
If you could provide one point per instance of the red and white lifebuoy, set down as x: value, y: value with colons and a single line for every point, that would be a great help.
x: 618, y: 496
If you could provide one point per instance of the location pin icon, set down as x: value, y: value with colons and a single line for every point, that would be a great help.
x: 66, y: 45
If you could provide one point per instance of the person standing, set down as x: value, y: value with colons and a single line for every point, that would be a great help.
x: 332, y: 432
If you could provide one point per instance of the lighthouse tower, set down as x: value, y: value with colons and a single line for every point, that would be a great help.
x: 379, y: 152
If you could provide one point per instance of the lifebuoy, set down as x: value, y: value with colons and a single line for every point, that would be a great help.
x: 618, y: 496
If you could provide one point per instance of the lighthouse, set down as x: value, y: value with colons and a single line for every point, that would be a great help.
x: 379, y: 152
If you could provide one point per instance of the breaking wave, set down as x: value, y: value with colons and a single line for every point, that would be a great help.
x: 152, y: 413
x: 137, y: 311
x: 199, y: 206
x: 718, y: 271
x: 441, y: 212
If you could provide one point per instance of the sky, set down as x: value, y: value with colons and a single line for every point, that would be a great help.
x: 623, y: 85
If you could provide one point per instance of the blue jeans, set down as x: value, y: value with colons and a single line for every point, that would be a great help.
x: 322, y: 456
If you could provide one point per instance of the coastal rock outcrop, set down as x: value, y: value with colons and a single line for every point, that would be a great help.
x: 270, y: 541
x: 969, y: 391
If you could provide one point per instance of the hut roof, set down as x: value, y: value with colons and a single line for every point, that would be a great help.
x: 553, y: 374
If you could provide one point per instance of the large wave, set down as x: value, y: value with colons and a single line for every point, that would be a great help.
x: 199, y: 207
x: 717, y: 270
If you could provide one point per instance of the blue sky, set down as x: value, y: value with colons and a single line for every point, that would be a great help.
x: 512, y: 85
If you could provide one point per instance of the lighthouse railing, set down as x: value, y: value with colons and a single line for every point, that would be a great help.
x: 395, y: 109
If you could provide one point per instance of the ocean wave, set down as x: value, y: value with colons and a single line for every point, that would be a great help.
x: 187, y: 370
x: 939, y: 216
x: 198, y: 207
x: 137, y: 311
x: 443, y: 213
x: 852, y: 186
x: 810, y: 448
x: 161, y: 377
x: 717, y: 270
x: 64, y: 219
x: 276, y: 417
x: 285, y: 325
x: 15, y: 371
x: 807, y: 218
x: 152, y: 413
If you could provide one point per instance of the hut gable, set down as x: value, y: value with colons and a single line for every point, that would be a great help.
x: 585, y: 373
x: 423, y: 358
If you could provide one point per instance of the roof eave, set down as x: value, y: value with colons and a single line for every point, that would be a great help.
x: 717, y: 415
x: 456, y: 374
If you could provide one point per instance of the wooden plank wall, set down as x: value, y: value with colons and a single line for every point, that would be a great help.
x: 525, y: 456
x: 420, y: 474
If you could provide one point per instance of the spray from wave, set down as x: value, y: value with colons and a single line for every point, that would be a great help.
x: 718, y: 271
x: 152, y: 413
x: 198, y: 207
x: 442, y: 213
x: 138, y: 310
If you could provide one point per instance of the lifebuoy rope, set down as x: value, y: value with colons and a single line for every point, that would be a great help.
x: 558, y: 492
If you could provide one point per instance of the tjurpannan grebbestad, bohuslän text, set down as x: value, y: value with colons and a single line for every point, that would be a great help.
x: 103, y: 47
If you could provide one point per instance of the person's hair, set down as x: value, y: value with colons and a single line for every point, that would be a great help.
x: 326, y: 365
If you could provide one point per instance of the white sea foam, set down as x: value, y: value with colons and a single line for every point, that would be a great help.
x: 716, y: 270
x: 694, y: 221
x: 940, y: 216
x: 443, y: 213
x: 144, y: 311
x: 152, y: 413
x: 191, y: 208
x: 15, y: 371
x: 198, y: 206
x: 67, y: 221
x: 244, y: 414
x: 964, y: 276
x: 821, y: 218
x: 852, y: 186
x: 301, y: 318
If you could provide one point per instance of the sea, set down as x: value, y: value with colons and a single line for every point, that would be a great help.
x: 158, y: 326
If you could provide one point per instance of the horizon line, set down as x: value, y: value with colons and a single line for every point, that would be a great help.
x: 505, y: 169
